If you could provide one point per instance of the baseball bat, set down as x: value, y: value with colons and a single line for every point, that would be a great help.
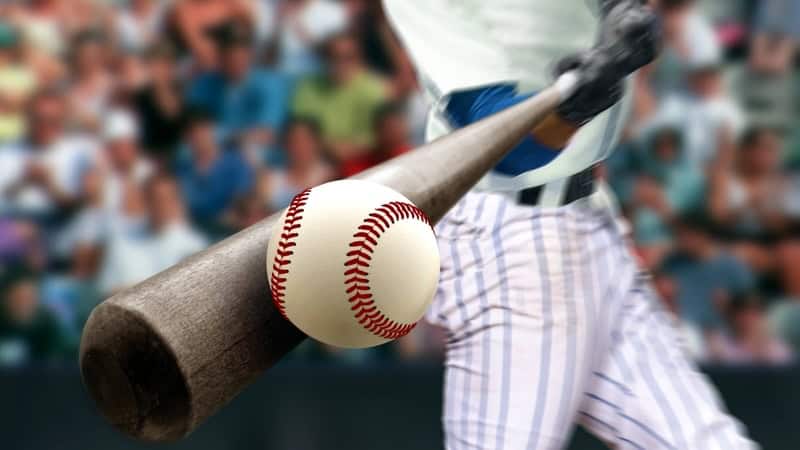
x: 161, y: 357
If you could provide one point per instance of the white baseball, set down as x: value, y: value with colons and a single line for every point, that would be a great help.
x: 353, y: 264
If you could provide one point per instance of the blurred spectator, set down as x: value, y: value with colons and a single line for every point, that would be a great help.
x: 751, y: 202
x: 135, y: 253
x: 70, y: 298
x: 392, y: 139
x: 160, y: 104
x: 749, y: 341
x: 784, y: 317
x: 70, y: 292
x: 41, y: 175
x: 48, y: 28
x: 708, y: 116
x: 249, y: 102
x: 93, y: 84
x: 126, y: 164
x: 43, y: 23
x: 384, y: 53
x: 306, y: 166
x: 663, y: 186
x: 344, y: 99
x: 731, y: 20
x: 105, y: 191
x: 87, y: 15
x: 705, y: 273
x: 767, y: 86
x: 138, y: 23
x: 368, y: 20
x: 80, y: 241
x: 664, y: 159
x: 131, y: 74
x: 751, y: 198
x: 211, y: 178
x: 28, y: 332
x: 17, y: 83
x: 777, y: 30
x: 20, y: 244
x: 196, y: 24
x: 691, y: 335
x: 789, y: 265
x: 689, y: 38
x: 246, y: 211
x: 305, y: 25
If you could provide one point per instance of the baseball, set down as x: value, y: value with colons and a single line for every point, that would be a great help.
x: 353, y: 264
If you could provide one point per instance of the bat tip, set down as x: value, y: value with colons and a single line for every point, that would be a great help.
x: 133, y: 376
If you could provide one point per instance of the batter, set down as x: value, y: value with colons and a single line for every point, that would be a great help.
x: 550, y: 321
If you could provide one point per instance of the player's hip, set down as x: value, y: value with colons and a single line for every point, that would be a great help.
x: 503, y: 217
x: 498, y: 255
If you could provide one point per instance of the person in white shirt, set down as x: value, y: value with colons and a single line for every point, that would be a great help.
x: 40, y: 176
x: 136, y: 253
x: 138, y: 24
x: 305, y: 25
x: 708, y: 117
x: 689, y: 37
x: 106, y: 188
x: 125, y: 162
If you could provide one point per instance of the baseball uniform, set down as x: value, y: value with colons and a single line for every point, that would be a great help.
x: 549, y: 320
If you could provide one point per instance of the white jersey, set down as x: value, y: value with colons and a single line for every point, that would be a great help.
x: 463, y: 44
x: 459, y: 44
x: 548, y: 320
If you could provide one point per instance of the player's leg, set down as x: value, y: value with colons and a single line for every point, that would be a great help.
x: 647, y: 394
x: 522, y: 314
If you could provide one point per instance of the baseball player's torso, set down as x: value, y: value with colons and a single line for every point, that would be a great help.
x: 460, y: 44
x: 464, y: 44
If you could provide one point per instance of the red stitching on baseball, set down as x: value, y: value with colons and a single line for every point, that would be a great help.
x: 291, y: 223
x: 356, y: 280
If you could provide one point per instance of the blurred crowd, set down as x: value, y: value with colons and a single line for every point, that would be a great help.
x: 709, y: 177
x: 134, y: 133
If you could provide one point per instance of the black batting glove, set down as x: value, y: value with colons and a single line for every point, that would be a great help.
x: 630, y: 38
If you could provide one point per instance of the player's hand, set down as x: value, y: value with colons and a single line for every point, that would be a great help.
x: 630, y: 39
x: 599, y: 88
x: 631, y: 34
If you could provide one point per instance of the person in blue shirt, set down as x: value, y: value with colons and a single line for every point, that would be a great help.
x: 706, y: 272
x: 249, y: 102
x: 210, y: 177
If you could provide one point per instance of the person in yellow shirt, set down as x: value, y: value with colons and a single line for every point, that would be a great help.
x: 343, y: 100
x: 17, y: 83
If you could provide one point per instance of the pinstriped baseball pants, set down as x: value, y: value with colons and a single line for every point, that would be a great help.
x: 550, y: 324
